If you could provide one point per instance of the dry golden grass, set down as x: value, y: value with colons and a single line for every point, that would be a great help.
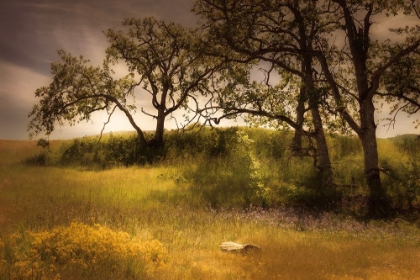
x: 152, y: 204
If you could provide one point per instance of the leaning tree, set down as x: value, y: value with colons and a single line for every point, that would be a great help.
x: 161, y: 60
x: 357, y: 74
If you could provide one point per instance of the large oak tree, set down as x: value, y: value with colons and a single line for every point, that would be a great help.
x: 333, y: 37
x: 161, y: 59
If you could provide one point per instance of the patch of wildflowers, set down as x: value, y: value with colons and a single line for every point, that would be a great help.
x: 82, y: 248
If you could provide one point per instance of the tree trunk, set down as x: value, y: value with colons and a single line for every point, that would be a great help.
x: 322, y: 157
x: 300, y: 112
x: 157, y: 140
x: 322, y: 154
x: 378, y: 202
x: 142, y: 140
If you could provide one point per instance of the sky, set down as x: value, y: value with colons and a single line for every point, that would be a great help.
x: 33, y: 30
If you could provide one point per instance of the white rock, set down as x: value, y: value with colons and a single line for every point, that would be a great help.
x: 233, y: 247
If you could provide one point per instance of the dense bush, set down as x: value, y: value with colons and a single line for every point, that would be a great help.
x: 399, y: 162
x: 234, y: 177
x: 112, y: 151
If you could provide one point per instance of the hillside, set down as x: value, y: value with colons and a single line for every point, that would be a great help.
x: 79, y: 210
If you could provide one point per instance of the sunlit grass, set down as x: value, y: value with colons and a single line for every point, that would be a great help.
x: 55, y: 196
x: 80, y: 251
x: 139, y: 204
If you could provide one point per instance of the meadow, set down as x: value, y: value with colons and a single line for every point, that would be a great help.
x: 76, y: 212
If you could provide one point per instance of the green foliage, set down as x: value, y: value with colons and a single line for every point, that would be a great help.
x: 43, y: 143
x: 38, y: 159
x: 90, y: 153
x: 77, y: 90
x: 409, y: 143
x: 236, y: 178
x: 343, y: 146
x: 210, y: 143
x: 400, y: 163
x: 237, y: 166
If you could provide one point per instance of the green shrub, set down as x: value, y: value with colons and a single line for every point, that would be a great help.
x: 39, y: 159
x: 234, y: 178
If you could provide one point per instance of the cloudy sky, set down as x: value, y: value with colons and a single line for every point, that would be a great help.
x: 33, y: 30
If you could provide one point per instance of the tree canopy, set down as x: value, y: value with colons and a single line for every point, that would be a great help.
x: 162, y: 59
x: 78, y: 90
x: 330, y: 47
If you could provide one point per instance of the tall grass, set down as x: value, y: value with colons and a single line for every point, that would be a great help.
x: 226, y: 170
x: 184, y: 206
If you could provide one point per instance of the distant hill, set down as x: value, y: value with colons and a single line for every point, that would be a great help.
x: 405, y: 137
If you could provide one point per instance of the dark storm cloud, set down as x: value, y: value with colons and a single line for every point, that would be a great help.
x: 31, y: 32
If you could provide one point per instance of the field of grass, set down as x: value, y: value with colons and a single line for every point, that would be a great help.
x: 149, y: 222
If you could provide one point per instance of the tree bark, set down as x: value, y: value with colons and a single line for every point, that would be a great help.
x: 157, y: 141
x: 378, y: 202
x: 323, y: 164
x: 300, y: 112
x: 322, y: 157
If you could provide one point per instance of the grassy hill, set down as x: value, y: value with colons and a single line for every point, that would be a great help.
x: 250, y: 165
x: 89, y: 210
